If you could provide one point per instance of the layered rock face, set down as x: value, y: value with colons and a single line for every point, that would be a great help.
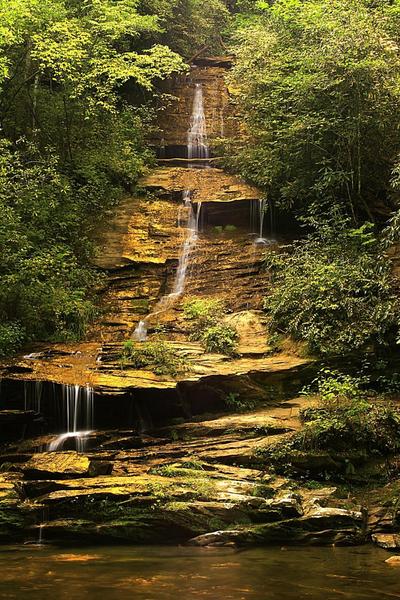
x: 218, y: 104
x: 197, y: 482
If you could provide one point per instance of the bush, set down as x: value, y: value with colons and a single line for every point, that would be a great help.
x: 11, y: 336
x: 203, y: 311
x: 336, y: 389
x: 207, y: 327
x: 345, y: 421
x: 335, y: 292
x: 156, y: 356
x: 359, y: 425
x: 220, y: 338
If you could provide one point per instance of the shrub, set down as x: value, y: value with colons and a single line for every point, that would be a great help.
x: 203, y: 311
x: 335, y: 292
x: 11, y: 336
x: 207, y: 327
x: 157, y: 356
x: 359, y: 425
x: 220, y: 338
x: 336, y: 389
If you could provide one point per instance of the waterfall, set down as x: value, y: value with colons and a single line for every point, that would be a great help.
x: 262, y: 207
x: 197, y: 149
x: 197, y: 134
x: 140, y: 333
x: 77, y: 416
x: 33, y: 395
x: 190, y: 241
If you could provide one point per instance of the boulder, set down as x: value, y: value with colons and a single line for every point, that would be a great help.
x: 57, y: 465
x: 388, y: 541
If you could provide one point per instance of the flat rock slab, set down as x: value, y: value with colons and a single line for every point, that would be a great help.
x: 57, y: 465
x: 389, y: 541
x: 208, y: 185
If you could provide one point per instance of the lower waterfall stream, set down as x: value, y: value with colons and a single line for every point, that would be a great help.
x: 78, y: 416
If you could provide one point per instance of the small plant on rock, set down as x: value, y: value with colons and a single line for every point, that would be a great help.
x: 207, y: 326
x: 220, y: 338
x: 203, y: 312
x: 157, y: 356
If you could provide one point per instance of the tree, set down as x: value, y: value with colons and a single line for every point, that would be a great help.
x: 317, y: 85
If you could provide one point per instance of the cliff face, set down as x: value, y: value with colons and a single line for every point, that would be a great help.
x: 219, y: 107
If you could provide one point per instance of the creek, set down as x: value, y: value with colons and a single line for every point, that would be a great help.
x: 165, y: 573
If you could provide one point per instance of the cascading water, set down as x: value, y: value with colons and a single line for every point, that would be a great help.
x: 140, y: 333
x: 33, y: 395
x: 190, y: 241
x: 197, y: 135
x: 262, y: 206
x: 197, y: 149
x: 77, y: 416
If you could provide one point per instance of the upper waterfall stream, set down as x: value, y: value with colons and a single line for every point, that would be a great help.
x: 197, y: 148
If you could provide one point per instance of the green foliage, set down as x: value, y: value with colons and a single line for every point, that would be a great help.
x: 11, y: 336
x: 77, y: 88
x: 220, y: 338
x: 345, y: 422
x: 317, y: 83
x: 237, y: 403
x: 207, y: 326
x: 45, y: 286
x: 188, y: 26
x: 203, y: 311
x: 334, y: 291
x: 336, y: 389
x: 156, y: 356
x: 358, y: 424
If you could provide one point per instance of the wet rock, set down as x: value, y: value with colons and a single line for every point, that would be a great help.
x: 15, y: 516
x: 208, y: 186
x: 331, y: 526
x: 288, y: 505
x: 219, y: 538
x: 100, y: 467
x: 57, y: 465
x: 387, y: 541
x: 16, y: 417
x: 325, y: 517
x: 393, y: 561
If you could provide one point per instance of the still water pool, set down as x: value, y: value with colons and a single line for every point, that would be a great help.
x: 174, y: 573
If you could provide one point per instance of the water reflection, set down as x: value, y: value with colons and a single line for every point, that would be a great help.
x: 167, y: 573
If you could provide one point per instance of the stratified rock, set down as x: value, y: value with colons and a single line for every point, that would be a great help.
x: 207, y: 186
x: 289, y: 505
x: 323, y: 527
x: 57, y: 465
x: 15, y: 417
x: 15, y: 517
x: 219, y: 538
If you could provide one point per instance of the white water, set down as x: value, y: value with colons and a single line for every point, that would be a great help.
x: 77, y: 415
x: 33, y: 395
x: 140, y: 333
x: 40, y: 535
x: 262, y: 208
x: 189, y: 243
x: 197, y: 134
